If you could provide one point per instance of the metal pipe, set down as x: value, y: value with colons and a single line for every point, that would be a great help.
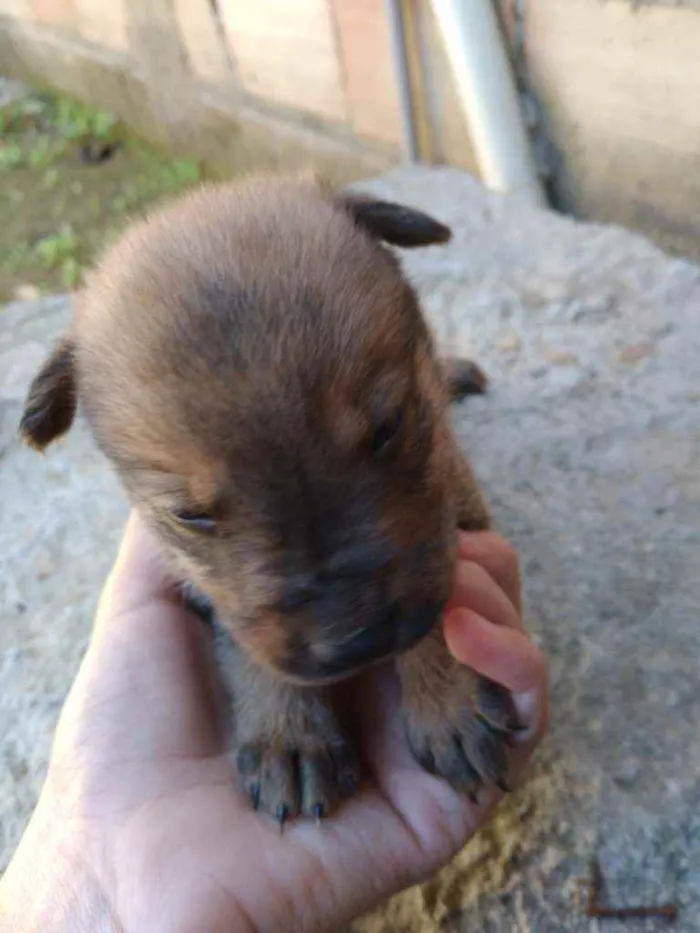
x: 474, y: 46
x: 397, y: 32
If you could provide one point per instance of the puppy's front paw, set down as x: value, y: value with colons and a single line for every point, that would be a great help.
x: 296, y: 764
x: 459, y: 728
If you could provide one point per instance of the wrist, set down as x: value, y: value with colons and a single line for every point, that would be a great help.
x: 49, y: 888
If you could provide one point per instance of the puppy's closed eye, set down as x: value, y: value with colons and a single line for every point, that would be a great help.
x: 195, y: 520
x: 387, y: 432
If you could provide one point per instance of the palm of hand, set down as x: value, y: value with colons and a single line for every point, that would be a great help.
x: 140, y: 772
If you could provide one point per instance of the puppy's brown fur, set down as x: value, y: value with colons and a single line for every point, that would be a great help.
x: 257, y: 369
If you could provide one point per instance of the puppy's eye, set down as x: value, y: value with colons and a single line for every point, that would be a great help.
x: 387, y: 432
x: 197, y: 521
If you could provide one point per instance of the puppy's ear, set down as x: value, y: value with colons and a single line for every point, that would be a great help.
x: 394, y: 223
x: 52, y: 399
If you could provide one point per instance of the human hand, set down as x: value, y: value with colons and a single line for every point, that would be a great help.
x: 140, y: 826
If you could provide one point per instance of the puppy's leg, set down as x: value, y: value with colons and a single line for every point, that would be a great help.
x: 458, y: 723
x: 463, y: 378
x: 290, y: 754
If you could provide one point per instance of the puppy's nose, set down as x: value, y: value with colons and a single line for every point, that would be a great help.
x: 366, y: 559
x: 369, y: 644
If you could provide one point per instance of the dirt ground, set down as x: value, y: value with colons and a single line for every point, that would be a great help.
x: 69, y: 179
x: 588, y: 445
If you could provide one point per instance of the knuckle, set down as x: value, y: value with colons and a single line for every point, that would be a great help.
x: 507, y: 553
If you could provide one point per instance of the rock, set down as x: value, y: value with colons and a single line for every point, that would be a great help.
x: 628, y: 773
x: 636, y: 352
x: 509, y: 343
x: 595, y: 480
x: 591, y: 469
x: 26, y: 292
x: 61, y: 518
x: 11, y: 91
x: 559, y: 356
x: 9, y: 415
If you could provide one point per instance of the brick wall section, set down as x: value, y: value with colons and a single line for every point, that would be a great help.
x: 61, y: 13
x: 285, y: 83
x: 274, y: 83
x: 19, y: 9
x: 321, y: 66
x: 103, y: 22
x: 286, y: 53
x: 201, y: 36
x: 364, y: 46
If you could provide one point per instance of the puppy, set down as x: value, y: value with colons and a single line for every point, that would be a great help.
x: 257, y: 369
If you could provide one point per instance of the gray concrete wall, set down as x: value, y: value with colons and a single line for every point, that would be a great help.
x: 617, y: 84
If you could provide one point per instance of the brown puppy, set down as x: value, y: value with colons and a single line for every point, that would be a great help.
x: 256, y: 367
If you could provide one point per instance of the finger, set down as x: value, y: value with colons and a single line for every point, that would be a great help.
x: 533, y: 709
x: 497, y: 556
x: 509, y: 657
x: 503, y: 654
x: 476, y: 589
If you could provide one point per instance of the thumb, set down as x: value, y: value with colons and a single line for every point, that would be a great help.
x: 138, y: 577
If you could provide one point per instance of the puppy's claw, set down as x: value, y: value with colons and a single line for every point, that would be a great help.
x: 494, y: 704
x: 484, y: 749
x: 281, y: 815
x: 345, y: 768
x: 248, y: 760
x: 285, y: 781
x: 503, y: 785
x: 464, y: 742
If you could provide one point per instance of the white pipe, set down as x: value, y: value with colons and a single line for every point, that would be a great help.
x: 397, y: 32
x: 474, y: 46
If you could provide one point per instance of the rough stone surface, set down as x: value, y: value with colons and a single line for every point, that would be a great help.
x: 589, y: 453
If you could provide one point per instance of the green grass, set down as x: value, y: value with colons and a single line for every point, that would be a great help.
x: 58, y: 212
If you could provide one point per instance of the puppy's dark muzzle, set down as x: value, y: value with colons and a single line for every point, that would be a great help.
x: 398, y: 629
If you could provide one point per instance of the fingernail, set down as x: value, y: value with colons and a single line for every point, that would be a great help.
x: 528, y: 707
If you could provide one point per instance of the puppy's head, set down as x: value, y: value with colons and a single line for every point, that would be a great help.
x: 256, y: 367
